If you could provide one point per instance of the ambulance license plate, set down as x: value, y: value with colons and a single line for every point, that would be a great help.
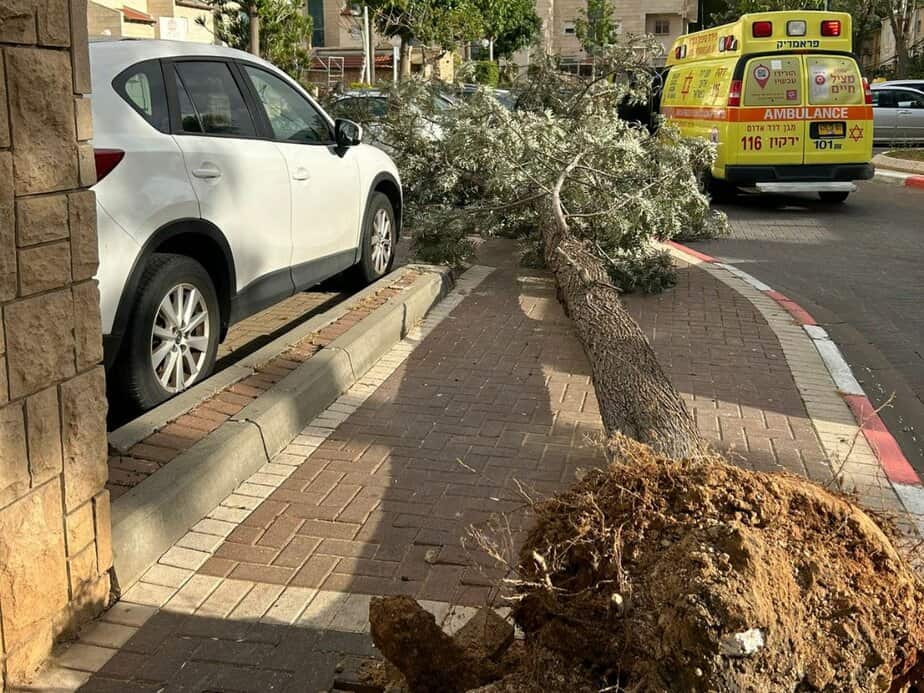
x: 831, y: 129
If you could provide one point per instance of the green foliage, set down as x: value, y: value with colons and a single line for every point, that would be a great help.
x: 480, y: 168
x: 284, y: 31
x: 513, y: 24
x: 649, y: 271
x: 487, y: 73
x: 597, y: 26
x: 442, y: 23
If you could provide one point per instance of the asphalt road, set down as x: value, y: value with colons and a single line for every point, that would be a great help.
x: 858, y: 268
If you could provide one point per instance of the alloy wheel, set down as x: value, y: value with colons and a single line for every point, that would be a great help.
x: 381, y: 241
x: 180, y: 338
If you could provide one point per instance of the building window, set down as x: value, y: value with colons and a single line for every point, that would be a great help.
x: 568, y: 29
x: 316, y: 10
x: 662, y: 27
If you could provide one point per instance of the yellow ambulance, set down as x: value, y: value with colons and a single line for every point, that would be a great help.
x: 781, y: 95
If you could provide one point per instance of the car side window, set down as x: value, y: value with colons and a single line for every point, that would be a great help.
x: 142, y: 86
x: 214, y: 98
x: 291, y: 116
x: 909, y: 100
x: 883, y: 98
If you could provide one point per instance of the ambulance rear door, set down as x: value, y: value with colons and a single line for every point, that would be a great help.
x: 840, y: 128
x: 771, y: 130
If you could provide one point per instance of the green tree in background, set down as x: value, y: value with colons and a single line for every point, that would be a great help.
x: 509, y: 24
x: 597, y: 26
x: 283, y: 35
x: 440, y: 23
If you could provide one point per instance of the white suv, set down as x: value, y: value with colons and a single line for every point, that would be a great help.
x: 222, y: 188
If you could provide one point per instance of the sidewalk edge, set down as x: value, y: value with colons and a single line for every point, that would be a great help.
x: 905, y: 481
x: 152, y: 516
x: 139, y: 428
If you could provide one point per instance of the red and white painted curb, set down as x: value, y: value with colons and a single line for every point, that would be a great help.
x: 909, y: 180
x: 901, y: 474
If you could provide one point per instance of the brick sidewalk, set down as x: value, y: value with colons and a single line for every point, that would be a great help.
x: 271, y: 591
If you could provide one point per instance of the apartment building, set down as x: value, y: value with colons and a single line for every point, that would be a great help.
x: 337, y: 40
x: 666, y: 19
x: 175, y: 20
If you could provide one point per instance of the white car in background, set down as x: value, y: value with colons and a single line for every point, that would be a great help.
x: 371, y: 105
x: 222, y: 189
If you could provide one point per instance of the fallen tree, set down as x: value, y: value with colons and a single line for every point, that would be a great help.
x: 671, y: 569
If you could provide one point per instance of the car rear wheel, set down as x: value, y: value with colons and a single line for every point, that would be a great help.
x: 379, y: 240
x: 173, y: 335
x: 833, y: 195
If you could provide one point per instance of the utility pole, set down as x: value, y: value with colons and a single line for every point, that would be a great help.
x: 365, y: 33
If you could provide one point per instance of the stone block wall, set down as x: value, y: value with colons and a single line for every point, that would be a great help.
x: 55, y: 549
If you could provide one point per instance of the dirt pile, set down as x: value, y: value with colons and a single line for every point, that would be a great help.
x: 659, y: 574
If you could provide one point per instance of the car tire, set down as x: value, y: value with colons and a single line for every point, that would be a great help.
x: 833, y: 196
x: 378, y: 241
x: 146, y: 372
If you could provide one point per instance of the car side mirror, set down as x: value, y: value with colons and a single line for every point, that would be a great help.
x: 347, y: 133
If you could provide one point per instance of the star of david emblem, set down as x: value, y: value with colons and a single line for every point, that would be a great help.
x: 856, y: 133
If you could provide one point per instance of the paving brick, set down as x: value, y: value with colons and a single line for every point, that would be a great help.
x: 218, y: 567
x: 192, y: 595
x: 181, y: 557
x: 297, y: 551
x: 246, y: 554
x: 314, y: 571
x: 329, y: 530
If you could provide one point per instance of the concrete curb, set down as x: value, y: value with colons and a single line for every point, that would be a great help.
x: 152, y: 516
x: 151, y: 421
x: 890, y: 177
x: 904, y: 479
x: 894, y: 163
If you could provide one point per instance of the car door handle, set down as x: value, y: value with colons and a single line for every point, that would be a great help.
x: 301, y: 173
x: 904, y: 111
x: 206, y: 172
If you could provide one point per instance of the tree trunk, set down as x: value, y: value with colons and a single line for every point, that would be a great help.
x: 634, y: 394
x: 900, y: 23
x: 254, y: 29
x: 405, y: 58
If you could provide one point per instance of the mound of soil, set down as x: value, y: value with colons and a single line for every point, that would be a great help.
x: 658, y: 574
x: 666, y: 575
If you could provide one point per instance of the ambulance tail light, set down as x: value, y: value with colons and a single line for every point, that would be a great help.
x: 734, y: 93
x: 867, y: 93
x: 831, y: 27
x: 764, y: 29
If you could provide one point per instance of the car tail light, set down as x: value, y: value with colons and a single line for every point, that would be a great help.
x: 106, y: 160
x: 867, y: 92
x: 734, y: 93
x: 796, y: 27
x: 831, y: 27
x: 762, y: 29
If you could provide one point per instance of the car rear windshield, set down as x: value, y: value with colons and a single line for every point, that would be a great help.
x: 833, y: 81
